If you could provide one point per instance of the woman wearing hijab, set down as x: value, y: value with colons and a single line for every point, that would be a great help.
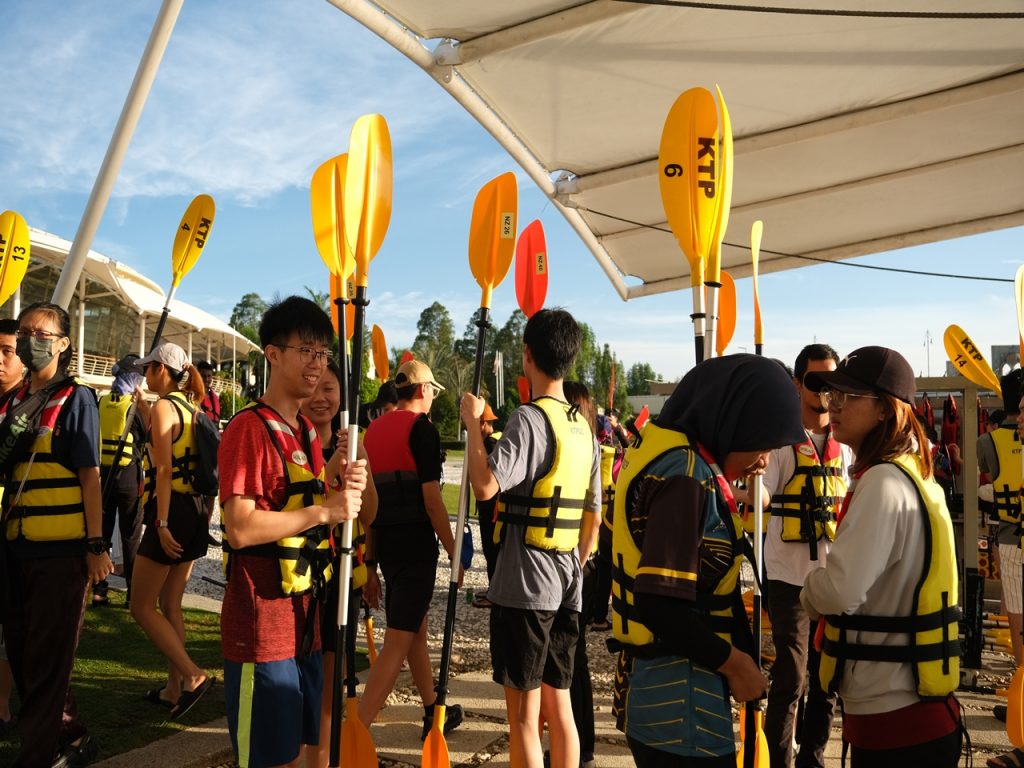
x: 676, y: 606
x: 889, y: 592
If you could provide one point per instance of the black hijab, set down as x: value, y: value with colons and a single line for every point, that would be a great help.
x: 735, y: 403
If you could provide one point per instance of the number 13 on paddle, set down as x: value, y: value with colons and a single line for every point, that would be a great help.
x: 14, y: 252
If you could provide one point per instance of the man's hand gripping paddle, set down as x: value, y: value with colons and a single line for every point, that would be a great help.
x: 691, y: 192
x: 492, y: 239
x: 14, y: 253
x: 189, y: 240
x: 753, y: 751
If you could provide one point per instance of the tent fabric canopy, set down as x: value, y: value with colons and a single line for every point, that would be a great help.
x: 853, y: 135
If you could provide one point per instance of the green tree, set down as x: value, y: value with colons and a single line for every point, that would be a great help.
x: 434, y: 328
x: 639, y: 377
x: 246, y: 316
x: 321, y: 298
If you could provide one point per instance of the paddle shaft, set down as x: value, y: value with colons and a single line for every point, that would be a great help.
x: 482, y: 324
x: 698, y: 321
x: 350, y: 420
x: 711, y: 319
x: 163, y: 319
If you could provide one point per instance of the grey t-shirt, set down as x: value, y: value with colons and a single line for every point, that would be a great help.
x: 525, y: 577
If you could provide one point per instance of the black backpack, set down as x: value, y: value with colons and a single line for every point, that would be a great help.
x: 202, y: 471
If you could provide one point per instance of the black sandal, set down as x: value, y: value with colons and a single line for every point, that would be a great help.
x: 190, y: 698
x: 1012, y: 759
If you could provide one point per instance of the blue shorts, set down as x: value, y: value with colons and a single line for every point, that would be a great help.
x: 273, y: 708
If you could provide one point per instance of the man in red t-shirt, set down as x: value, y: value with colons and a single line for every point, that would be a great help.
x: 273, y: 684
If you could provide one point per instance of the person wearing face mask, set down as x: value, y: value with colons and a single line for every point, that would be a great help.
x: 53, y: 517
x: 889, y: 591
x: 677, y: 615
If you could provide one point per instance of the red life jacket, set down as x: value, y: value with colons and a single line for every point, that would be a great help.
x: 399, y: 490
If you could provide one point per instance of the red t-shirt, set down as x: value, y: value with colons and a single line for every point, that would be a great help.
x: 257, y: 623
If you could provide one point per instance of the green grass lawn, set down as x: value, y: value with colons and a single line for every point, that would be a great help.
x: 116, y: 664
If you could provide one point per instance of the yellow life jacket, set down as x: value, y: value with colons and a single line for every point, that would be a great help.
x: 305, y: 558
x: 46, y: 496
x: 1006, y: 485
x: 184, y: 453
x: 811, y: 498
x: 554, y: 506
x: 661, y: 453
x: 932, y: 631
x: 496, y: 435
x: 113, y: 417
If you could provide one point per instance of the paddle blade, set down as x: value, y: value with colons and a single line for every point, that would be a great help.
x: 368, y: 184
x: 343, y: 288
x: 726, y: 313
x: 193, y: 232
x: 327, y: 205
x: 755, y: 742
x: 492, y: 233
x: 642, y: 417
x: 968, y: 359
x: 435, y: 748
x: 357, y: 749
x: 14, y: 253
x: 381, y: 364
x: 406, y: 357
x: 756, y: 231
x: 531, y: 269
x: 688, y: 175
x: 1015, y: 709
x: 523, y: 385
x: 724, y: 197
x: 371, y: 644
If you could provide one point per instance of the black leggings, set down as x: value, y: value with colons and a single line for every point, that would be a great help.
x: 649, y: 757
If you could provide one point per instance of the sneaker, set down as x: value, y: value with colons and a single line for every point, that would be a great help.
x: 452, y: 720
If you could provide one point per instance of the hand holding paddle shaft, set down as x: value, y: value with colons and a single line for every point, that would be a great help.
x: 492, y: 239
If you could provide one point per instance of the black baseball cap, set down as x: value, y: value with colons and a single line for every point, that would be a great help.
x: 127, y: 364
x: 867, y: 370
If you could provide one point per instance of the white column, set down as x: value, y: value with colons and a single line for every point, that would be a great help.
x: 209, y: 354
x: 233, y: 362
x: 81, y: 325
x: 17, y: 301
x: 130, y: 113
x: 142, y: 335
x: 189, y: 343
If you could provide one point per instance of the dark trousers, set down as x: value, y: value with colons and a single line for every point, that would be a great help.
x: 940, y: 753
x: 581, y: 692
x: 123, y: 504
x: 485, y: 512
x: 795, y: 670
x: 602, y: 585
x: 649, y: 757
x: 42, y: 637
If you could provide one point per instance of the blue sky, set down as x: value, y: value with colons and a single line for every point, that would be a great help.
x: 253, y: 95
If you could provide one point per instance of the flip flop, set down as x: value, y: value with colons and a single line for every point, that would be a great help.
x: 153, y: 697
x: 1012, y: 759
x: 190, y: 698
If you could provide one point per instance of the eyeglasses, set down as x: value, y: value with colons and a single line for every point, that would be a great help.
x: 39, y: 335
x: 308, y: 354
x: 831, y: 398
x: 432, y: 388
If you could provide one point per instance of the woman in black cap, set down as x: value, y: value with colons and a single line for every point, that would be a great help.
x: 889, y: 592
x: 676, y: 608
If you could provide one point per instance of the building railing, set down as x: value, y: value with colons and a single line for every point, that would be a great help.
x: 100, y: 367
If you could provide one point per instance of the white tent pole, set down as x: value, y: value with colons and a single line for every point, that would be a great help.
x: 81, y: 325
x: 130, y: 113
x: 142, y: 335
x: 233, y: 364
x: 209, y: 347
x: 189, y: 343
x: 17, y: 302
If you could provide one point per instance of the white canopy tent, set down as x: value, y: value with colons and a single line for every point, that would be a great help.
x: 854, y: 135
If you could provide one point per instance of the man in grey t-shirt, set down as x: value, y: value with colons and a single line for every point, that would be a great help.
x: 547, y: 471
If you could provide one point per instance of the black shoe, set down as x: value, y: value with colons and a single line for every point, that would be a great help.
x: 452, y: 720
x: 78, y: 756
x: 999, y: 711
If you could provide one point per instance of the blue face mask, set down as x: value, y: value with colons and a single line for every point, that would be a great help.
x: 35, y: 353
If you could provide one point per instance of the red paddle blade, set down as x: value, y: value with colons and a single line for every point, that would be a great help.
x: 524, y: 390
x: 406, y: 357
x: 531, y: 269
x: 642, y: 417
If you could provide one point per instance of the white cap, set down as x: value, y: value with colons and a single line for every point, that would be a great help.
x: 169, y: 354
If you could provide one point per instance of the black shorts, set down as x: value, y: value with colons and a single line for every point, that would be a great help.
x: 408, y: 590
x: 188, y: 525
x: 530, y: 647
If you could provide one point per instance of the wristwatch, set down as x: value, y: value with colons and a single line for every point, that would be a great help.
x: 162, y: 523
x: 96, y: 546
